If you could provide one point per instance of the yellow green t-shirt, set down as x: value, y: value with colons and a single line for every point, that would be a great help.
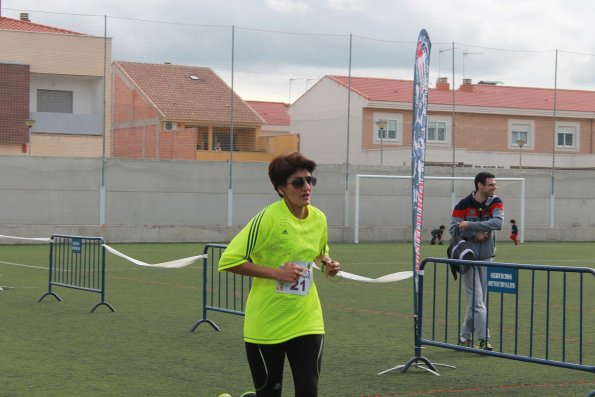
x: 272, y: 238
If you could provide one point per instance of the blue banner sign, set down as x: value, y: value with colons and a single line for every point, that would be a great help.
x: 502, y: 279
x: 76, y: 245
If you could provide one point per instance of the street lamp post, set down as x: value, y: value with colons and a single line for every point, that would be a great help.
x: 382, y: 127
x: 521, y: 143
x: 29, y: 123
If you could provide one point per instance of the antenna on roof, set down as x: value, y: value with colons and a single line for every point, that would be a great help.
x: 488, y: 82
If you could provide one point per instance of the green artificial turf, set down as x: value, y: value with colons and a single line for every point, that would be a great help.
x: 145, y: 348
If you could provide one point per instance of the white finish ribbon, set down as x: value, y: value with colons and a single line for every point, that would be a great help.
x: 168, y: 265
x: 388, y: 278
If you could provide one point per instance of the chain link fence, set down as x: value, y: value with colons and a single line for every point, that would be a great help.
x: 66, y: 93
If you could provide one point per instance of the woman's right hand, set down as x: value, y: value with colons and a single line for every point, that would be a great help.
x: 290, y: 272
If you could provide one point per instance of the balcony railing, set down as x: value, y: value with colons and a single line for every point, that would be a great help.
x: 67, y: 123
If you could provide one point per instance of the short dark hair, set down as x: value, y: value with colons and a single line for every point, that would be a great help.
x: 285, y: 165
x: 442, y: 227
x: 481, y: 178
x: 512, y: 221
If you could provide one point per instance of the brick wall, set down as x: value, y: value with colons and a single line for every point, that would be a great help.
x: 178, y: 144
x: 137, y: 131
x: 483, y: 132
x: 14, y: 104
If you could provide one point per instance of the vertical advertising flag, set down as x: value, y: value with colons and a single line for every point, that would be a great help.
x: 418, y: 147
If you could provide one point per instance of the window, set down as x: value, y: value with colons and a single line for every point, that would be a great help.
x: 436, y: 131
x: 565, y: 139
x: 387, y: 129
x: 567, y: 135
x: 520, y: 133
x: 54, y: 101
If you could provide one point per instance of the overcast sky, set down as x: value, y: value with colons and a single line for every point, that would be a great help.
x: 286, y: 45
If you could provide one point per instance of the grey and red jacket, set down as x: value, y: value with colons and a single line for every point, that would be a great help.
x: 485, y: 217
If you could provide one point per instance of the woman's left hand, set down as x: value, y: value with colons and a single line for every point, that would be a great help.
x: 331, y: 267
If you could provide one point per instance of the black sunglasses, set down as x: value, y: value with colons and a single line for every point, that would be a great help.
x: 300, y: 181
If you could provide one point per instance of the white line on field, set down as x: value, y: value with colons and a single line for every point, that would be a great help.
x: 22, y: 265
x: 569, y: 260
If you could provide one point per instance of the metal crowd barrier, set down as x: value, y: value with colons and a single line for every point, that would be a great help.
x: 221, y: 292
x: 538, y: 314
x: 77, y: 262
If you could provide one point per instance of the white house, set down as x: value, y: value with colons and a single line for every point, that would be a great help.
x: 494, y: 126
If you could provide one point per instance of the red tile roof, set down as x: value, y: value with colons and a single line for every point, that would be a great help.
x: 377, y: 89
x: 28, y: 26
x: 181, y: 97
x: 274, y: 113
x: 482, y: 95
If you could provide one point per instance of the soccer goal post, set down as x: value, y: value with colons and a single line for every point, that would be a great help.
x: 358, y: 178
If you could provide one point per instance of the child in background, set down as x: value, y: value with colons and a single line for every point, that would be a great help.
x: 437, y: 235
x: 515, y: 232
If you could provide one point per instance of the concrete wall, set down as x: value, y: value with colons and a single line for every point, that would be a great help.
x: 185, y: 201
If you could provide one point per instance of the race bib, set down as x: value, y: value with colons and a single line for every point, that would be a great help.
x: 302, y: 285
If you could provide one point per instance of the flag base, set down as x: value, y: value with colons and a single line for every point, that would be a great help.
x: 418, y: 362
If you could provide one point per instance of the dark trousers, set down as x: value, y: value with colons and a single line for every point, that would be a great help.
x: 304, y: 354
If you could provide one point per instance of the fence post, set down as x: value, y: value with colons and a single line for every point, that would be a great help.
x: 219, y: 293
x: 77, y: 262
x: 535, y: 286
